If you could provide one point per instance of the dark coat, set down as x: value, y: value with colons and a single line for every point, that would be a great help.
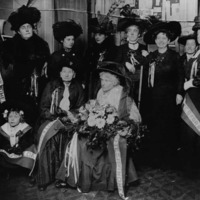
x: 21, y: 57
x: 76, y: 98
x: 106, y: 51
x: 61, y: 56
x: 123, y: 56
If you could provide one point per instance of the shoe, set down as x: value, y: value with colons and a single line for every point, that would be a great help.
x: 61, y: 184
x: 42, y: 187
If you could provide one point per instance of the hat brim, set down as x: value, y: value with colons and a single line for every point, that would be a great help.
x: 113, y: 68
x: 182, y: 40
x: 124, y: 23
x: 66, y: 28
x: 173, y: 27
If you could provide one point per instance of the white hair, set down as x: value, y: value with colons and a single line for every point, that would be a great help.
x: 112, y: 77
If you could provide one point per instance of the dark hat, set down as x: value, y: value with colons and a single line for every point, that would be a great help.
x: 66, y: 28
x: 124, y: 23
x: 67, y: 63
x: 23, y: 15
x: 113, y: 68
x: 101, y: 25
x: 130, y: 19
x: 183, y: 39
x: 173, y: 28
x: 197, y: 23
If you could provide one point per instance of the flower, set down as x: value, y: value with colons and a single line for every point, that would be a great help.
x: 5, y: 113
x: 21, y: 112
x: 91, y: 121
x: 100, y: 123
x: 110, y: 119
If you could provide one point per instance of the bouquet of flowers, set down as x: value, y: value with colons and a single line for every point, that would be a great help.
x: 99, y: 123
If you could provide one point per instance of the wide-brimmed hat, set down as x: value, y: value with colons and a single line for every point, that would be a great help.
x: 183, y: 39
x: 113, y: 68
x: 101, y: 25
x: 66, y: 28
x: 124, y: 23
x: 173, y: 28
x: 23, y: 15
x: 197, y: 23
x: 130, y: 18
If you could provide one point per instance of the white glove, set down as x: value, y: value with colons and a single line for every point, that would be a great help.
x: 130, y: 67
x: 188, y: 84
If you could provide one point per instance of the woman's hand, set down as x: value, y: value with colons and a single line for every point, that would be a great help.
x: 179, y: 99
x: 145, y: 53
x: 188, y: 84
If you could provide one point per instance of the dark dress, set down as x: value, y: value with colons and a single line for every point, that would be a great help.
x: 190, y: 135
x: 99, y: 168
x: 25, y: 57
x: 123, y: 55
x: 160, y: 105
x: 106, y: 51
x: 53, y: 135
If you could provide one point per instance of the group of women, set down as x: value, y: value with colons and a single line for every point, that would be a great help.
x: 166, y: 80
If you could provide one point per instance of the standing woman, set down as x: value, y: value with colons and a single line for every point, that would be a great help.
x: 190, y: 114
x: 65, y: 32
x: 24, y: 56
x: 101, y: 48
x: 132, y: 54
x: 165, y: 82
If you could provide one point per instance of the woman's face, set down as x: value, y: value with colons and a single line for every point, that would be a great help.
x: 133, y: 33
x: 26, y: 31
x: 162, y: 40
x: 190, y: 46
x: 108, y: 81
x: 198, y: 36
x: 68, y: 42
x: 99, y: 37
x: 67, y: 74
x: 14, y: 119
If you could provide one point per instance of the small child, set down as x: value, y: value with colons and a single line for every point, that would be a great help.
x: 15, y: 134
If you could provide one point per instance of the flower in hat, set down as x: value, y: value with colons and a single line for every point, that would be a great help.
x: 130, y: 18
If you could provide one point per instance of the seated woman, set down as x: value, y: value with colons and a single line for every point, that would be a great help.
x: 16, y: 141
x: 109, y: 166
x: 59, y: 99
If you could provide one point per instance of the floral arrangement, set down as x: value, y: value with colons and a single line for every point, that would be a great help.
x: 99, y: 123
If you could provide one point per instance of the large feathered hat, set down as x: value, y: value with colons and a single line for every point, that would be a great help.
x: 66, y: 28
x: 101, y: 24
x: 172, y: 27
x: 23, y: 15
x: 130, y: 19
